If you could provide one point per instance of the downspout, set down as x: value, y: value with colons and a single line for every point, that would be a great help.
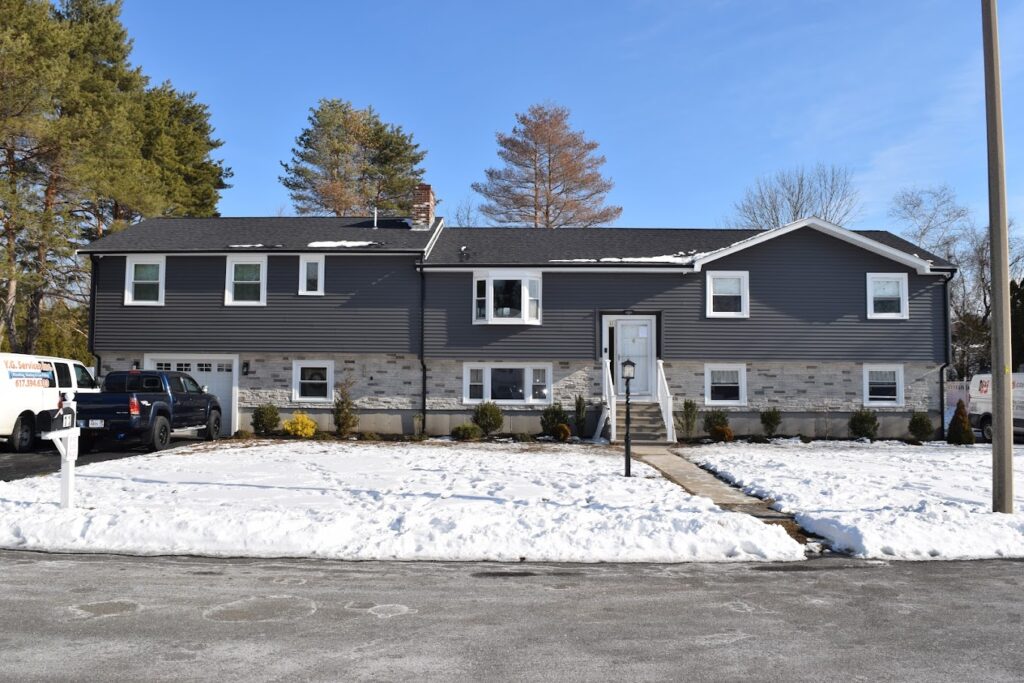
x: 949, y: 346
x: 423, y: 358
x: 93, y: 262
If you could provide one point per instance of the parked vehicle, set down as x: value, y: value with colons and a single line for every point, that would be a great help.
x: 146, y: 406
x: 31, y: 385
x: 980, y: 410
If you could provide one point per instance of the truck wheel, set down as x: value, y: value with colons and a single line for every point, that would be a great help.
x: 23, y: 437
x: 86, y: 444
x: 986, y: 429
x: 160, y: 434
x: 213, y: 426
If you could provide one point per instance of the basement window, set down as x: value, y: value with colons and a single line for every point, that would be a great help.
x: 313, y: 381
x: 883, y: 385
x: 725, y: 384
x: 507, y: 383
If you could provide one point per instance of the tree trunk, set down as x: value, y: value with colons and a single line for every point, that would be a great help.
x: 8, y: 323
x: 33, y: 315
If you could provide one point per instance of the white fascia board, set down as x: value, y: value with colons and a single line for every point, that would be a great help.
x: 578, y: 269
x: 922, y: 266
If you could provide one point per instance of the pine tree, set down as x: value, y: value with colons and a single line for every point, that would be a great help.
x: 348, y: 162
x: 551, y: 177
x: 960, y: 432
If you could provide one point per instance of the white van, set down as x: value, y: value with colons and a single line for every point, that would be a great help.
x: 980, y: 410
x: 30, y: 385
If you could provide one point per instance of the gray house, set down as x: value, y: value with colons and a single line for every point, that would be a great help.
x: 426, y: 321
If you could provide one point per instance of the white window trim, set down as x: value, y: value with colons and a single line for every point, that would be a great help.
x: 741, y: 367
x: 744, y: 277
x: 900, y: 397
x: 129, y: 274
x: 904, y: 313
x: 303, y: 261
x: 229, y: 288
x: 489, y: 276
x: 298, y: 365
x: 528, y: 369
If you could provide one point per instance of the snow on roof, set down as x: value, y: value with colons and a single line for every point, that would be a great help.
x: 682, y: 258
x: 341, y: 243
x: 245, y: 246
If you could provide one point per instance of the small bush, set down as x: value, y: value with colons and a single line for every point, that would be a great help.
x: 265, y: 419
x: 805, y: 439
x: 580, y: 418
x: 715, y: 418
x: 959, y: 432
x: 324, y: 436
x: 243, y: 434
x: 369, y: 436
x: 921, y: 427
x: 686, y: 421
x: 562, y: 432
x: 488, y: 417
x: 863, y: 424
x: 771, y: 418
x: 523, y: 438
x: 721, y: 433
x: 345, y: 418
x: 466, y: 431
x: 300, y: 425
x: 758, y: 438
x: 553, y: 416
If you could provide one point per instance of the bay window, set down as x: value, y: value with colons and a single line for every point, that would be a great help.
x: 509, y: 383
x: 506, y: 298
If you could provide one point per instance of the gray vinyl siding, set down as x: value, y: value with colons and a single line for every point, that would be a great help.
x: 808, y: 301
x: 371, y: 304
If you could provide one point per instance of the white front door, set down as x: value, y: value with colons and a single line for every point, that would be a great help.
x: 631, y: 337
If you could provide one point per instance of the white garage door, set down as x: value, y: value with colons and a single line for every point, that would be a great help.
x: 216, y: 373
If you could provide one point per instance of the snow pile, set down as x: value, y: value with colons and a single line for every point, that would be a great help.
x: 882, y: 499
x: 350, y: 244
x: 401, y: 501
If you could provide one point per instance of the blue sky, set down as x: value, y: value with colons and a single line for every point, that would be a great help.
x: 690, y: 101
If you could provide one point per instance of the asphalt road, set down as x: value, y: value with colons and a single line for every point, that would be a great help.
x: 85, y: 617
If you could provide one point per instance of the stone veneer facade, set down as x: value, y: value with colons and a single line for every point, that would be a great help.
x: 815, y: 398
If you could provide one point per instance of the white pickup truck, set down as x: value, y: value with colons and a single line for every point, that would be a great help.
x: 31, y: 385
x: 980, y: 411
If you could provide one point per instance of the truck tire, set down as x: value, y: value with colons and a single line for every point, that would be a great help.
x: 160, y: 434
x: 213, y: 426
x: 23, y: 436
x: 986, y: 428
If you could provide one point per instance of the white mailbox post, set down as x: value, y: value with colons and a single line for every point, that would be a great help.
x: 65, y: 438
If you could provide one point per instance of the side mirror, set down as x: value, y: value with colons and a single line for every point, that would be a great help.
x: 205, y: 389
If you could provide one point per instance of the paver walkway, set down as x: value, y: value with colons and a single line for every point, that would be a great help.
x: 699, y: 482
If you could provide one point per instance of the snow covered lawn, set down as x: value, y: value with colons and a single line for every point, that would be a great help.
x: 432, y: 501
x: 882, y: 499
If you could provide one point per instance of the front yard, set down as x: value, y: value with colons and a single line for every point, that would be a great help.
x: 883, y: 499
x: 432, y: 501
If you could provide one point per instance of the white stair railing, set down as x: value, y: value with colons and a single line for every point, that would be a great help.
x: 665, y: 401
x: 608, y: 410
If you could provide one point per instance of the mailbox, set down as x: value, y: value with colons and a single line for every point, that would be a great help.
x: 55, y: 420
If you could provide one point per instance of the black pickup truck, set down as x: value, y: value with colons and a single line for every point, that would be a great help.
x: 145, y: 406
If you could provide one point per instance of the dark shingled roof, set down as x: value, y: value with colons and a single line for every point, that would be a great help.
x: 511, y: 247
x: 286, y: 233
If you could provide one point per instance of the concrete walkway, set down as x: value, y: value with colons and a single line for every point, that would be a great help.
x: 700, y: 482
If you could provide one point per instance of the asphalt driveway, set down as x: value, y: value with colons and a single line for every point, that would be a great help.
x: 46, y: 460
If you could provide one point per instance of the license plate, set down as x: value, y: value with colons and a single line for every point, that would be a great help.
x: 67, y: 421
x: 95, y: 424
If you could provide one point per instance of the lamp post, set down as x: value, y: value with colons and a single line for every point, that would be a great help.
x: 628, y: 373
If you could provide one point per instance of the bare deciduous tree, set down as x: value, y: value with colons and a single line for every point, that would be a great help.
x: 932, y: 218
x: 551, y: 177
x: 789, y: 195
x: 466, y: 214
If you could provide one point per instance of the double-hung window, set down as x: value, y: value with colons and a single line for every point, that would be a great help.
x: 311, y: 275
x: 144, y: 280
x: 506, y: 298
x: 887, y: 296
x: 883, y: 385
x: 509, y: 383
x: 728, y: 294
x: 725, y: 384
x: 246, y: 283
x: 313, y: 381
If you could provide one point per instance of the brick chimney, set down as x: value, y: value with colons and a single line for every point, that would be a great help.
x: 423, y: 205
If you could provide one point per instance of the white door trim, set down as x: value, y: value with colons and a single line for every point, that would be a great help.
x: 149, y: 363
x: 607, y: 319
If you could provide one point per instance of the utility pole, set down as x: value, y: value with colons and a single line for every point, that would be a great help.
x: 1002, y: 379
